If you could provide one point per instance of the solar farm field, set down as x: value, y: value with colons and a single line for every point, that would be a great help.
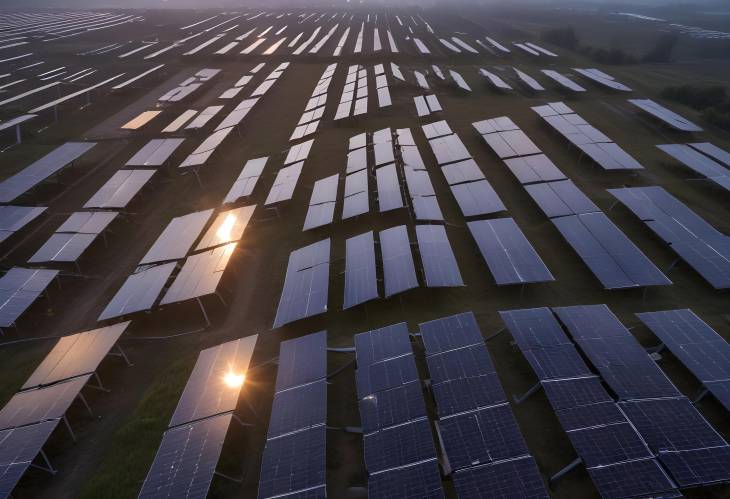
x: 360, y: 252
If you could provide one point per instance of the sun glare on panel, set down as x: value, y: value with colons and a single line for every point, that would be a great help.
x: 224, y: 231
x: 233, y: 380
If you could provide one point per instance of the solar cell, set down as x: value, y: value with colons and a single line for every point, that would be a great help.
x: 392, y: 407
x: 439, y: 263
x: 398, y: 268
x: 302, y: 360
x: 398, y: 446
x: 416, y: 481
x: 451, y: 332
x: 503, y: 480
x: 186, y: 460
x: 299, y: 408
x: 293, y: 463
x: 360, y: 278
x: 507, y: 252
x: 76, y: 354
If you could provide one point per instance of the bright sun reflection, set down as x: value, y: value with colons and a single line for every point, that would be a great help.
x: 224, y: 231
x: 233, y: 380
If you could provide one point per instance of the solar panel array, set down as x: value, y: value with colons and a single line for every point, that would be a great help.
x: 563, y: 80
x: 669, y: 117
x: 485, y: 451
x: 306, y: 284
x: 614, y: 453
x: 315, y: 107
x: 287, y: 178
x: 381, y: 86
x: 702, y: 164
x: 73, y: 237
x: 424, y: 202
x: 202, y: 268
x: 686, y: 445
x: 191, y: 446
x: 602, y: 78
x: 703, y: 247
x: 427, y: 104
x: 31, y: 415
x: 354, y: 100
x: 356, y: 201
x: 40, y: 170
x: 294, y: 459
x: 699, y: 347
x: 472, y: 191
x: 601, y: 149
x: 400, y: 455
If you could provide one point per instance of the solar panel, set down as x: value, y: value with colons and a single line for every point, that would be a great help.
x: 356, y: 160
x: 186, y: 460
x: 463, y: 171
x: 76, y: 354
x: 640, y: 478
x: 507, y: 252
x: 605, y: 445
x: 495, y: 80
x: 463, y: 362
x: 713, y: 151
x: 246, y: 181
x: 503, y: 480
x: 561, y: 198
x: 19, y: 288
x: 385, y: 375
x: 602, y: 78
x: 228, y: 226
x: 698, y: 466
x: 662, y: 113
x: 534, y: 168
x: 449, y: 149
x: 302, y: 360
x: 155, y: 153
x: 41, y: 404
x: 534, y: 328
x: 436, y: 129
x: 569, y: 393
x: 299, y: 408
x: 206, y: 149
x: 702, y: 350
x: 18, y: 448
x: 483, y: 436
x: 382, y: 344
x: 451, y: 332
x: 389, y: 190
x: 360, y: 278
x: 392, y: 407
x: 477, y: 198
x: 439, y: 263
x: 306, y: 284
x: 139, y: 292
x: 14, y: 218
x: 563, y: 80
x: 610, y: 255
x: 63, y: 248
x: 398, y: 268
x: 416, y: 481
x: 398, y: 446
x: 175, y: 241
x: 40, y: 170
x: 467, y: 394
x: 294, y: 463
x: 356, y: 195
x: 209, y: 391
x: 284, y: 184
x: 87, y: 222
x: 119, y: 190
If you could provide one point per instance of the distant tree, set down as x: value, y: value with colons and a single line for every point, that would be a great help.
x: 562, y: 37
x: 662, y: 51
